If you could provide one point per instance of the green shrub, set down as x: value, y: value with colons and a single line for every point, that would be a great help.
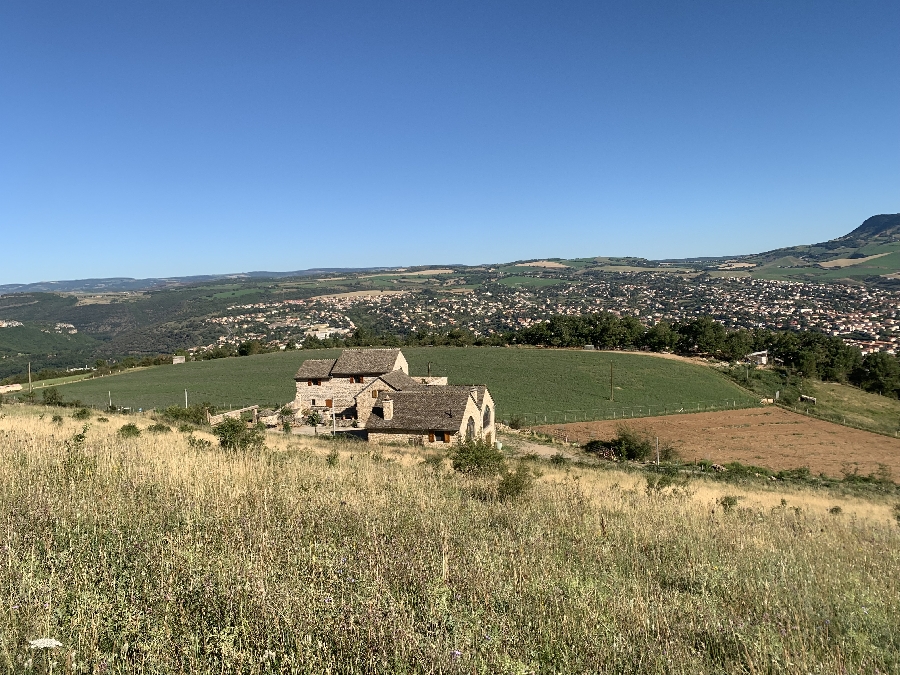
x: 195, y: 414
x: 159, y: 428
x: 559, y: 459
x: 103, y: 419
x: 835, y: 510
x: 199, y: 443
x: 51, y: 396
x: 513, y: 484
x: 897, y: 513
x: 77, y: 440
x: 333, y: 458
x: 286, y: 427
x: 185, y: 428
x: 57, y: 419
x: 477, y: 457
x: 516, y: 423
x: 314, y: 418
x: 659, y: 481
x: 630, y: 444
x: 233, y: 434
x: 129, y: 430
x: 81, y: 414
x: 728, y: 502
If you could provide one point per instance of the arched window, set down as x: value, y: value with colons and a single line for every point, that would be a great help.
x: 486, y: 422
x: 470, y: 429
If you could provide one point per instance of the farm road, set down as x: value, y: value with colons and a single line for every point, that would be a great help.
x: 769, y: 437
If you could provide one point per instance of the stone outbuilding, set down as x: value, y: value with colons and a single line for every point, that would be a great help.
x: 434, y: 415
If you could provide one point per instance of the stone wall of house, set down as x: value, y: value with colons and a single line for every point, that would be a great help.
x: 340, y: 389
x: 410, y: 438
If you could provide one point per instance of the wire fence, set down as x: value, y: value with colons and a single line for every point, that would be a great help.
x: 530, y: 419
x: 836, y: 418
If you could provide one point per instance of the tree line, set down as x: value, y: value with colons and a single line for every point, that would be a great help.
x: 803, y: 353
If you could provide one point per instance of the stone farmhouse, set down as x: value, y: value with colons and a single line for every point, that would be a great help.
x: 373, y: 387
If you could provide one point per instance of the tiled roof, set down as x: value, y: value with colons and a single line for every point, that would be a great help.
x: 314, y: 369
x: 399, y: 380
x: 365, y: 362
x: 422, y: 409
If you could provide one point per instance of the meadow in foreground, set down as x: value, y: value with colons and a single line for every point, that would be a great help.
x: 155, y: 554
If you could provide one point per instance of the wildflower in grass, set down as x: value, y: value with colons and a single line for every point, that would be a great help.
x: 455, y: 654
x: 44, y: 643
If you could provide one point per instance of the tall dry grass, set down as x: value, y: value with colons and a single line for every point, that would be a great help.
x: 151, y: 556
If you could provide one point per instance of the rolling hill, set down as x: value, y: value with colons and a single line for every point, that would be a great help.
x: 522, y: 381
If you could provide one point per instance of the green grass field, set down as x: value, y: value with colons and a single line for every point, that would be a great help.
x: 521, y: 380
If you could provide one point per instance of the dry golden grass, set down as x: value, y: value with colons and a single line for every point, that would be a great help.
x: 154, y: 555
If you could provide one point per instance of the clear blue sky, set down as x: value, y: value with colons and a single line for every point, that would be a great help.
x: 174, y: 138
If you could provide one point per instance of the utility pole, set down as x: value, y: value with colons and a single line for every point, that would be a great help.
x: 657, y: 451
x: 611, y: 396
x: 109, y: 393
x: 333, y: 418
x: 30, y: 388
x: 185, y: 399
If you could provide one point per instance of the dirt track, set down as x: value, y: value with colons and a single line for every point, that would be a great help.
x: 769, y: 437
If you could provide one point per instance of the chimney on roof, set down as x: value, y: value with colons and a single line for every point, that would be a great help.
x: 387, y: 407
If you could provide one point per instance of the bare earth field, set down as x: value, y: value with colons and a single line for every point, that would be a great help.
x: 769, y: 437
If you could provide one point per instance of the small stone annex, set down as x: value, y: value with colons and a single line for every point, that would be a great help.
x: 373, y: 388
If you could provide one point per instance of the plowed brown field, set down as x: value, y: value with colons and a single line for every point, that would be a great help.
x: 769, y: 437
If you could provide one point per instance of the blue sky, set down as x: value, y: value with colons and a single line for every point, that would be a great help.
x: 174, y: 138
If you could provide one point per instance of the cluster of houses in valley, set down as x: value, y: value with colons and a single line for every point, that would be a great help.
x: 373, y: 390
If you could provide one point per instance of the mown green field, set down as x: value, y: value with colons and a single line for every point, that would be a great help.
x: 521, y: 380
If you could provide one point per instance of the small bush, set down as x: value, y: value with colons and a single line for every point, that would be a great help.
x: 195, y: 414
x: 477, y: 457
x: 129, y: 430
x: 513, y: 484
x: 81, y: 414
x: 77, y: 440
x: 728, y: 502
x: 333, y: 458
x: 559, y: 459
x: 657, y: 482
x: 233, y: 434
x: 835, y: 510
x: 103, y: 419
x: 516, y: 423
x: 199, y: 443
x: 434, y: 461
x: 286, y: 427
x: 159, y: 428
x: 57, y: 419
x: 897, y: 513
x: 185, y: 428
x: 631, y: 444
x: 314, y: 419
x: 51, y: 396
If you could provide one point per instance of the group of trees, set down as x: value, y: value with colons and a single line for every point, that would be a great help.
x: 806, y: 353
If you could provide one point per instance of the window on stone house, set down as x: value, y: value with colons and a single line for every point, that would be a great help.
x: 374, y: 393
x: 446, y: 437
x: 431, y: 437
x: 309, y: 383
x: 470, y: 429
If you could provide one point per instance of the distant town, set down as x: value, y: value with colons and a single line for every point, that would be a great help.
x: 864, y: 316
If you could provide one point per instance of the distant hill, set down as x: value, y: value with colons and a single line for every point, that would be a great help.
x: 870, y: 253
x: 125, y: 284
